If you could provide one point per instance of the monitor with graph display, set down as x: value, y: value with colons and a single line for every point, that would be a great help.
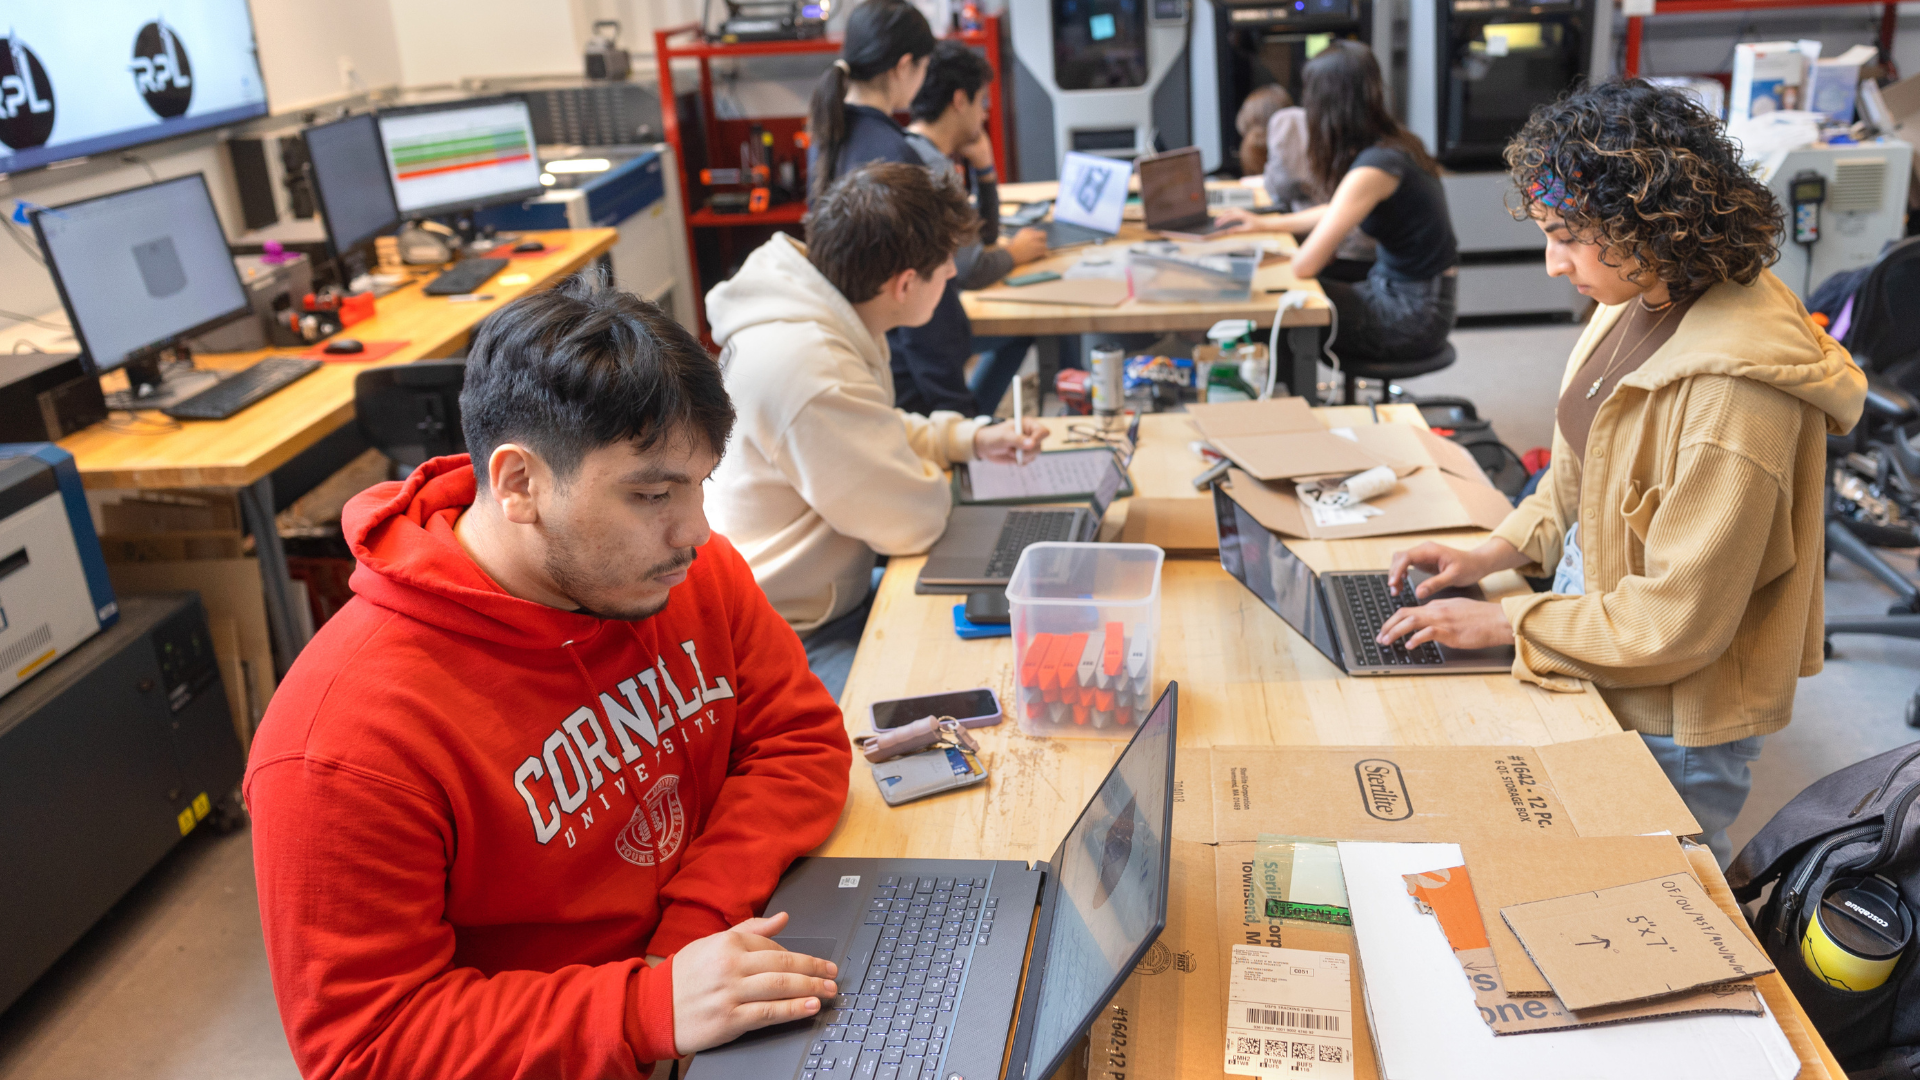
x: 461, y: 155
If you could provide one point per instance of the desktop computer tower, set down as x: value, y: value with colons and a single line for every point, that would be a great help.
x: 1097, y: 76
x: 54, y: 591
x: 107, y: 760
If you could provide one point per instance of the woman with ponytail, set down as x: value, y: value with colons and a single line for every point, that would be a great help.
x: 883, y: 60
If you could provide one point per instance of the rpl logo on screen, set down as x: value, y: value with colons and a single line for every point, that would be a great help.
x: 161, y: 71
x: 26, y: 96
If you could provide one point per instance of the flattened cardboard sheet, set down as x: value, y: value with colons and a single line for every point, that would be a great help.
x: 1634, y: 941
x: 1086, y: 292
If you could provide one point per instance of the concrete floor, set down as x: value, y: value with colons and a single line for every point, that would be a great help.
x: 173, y: 984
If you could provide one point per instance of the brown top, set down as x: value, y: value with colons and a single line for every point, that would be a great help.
x: 1634, y: 337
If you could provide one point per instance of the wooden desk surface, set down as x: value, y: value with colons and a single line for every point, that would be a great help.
x: 1245, y: 678
x: 242, y: 449
x: 1000, y: 317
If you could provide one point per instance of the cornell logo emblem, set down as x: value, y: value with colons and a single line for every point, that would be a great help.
x: 658, y: 824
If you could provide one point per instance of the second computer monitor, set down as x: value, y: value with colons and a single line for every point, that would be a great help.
x: 460, y: 156
x: 350, y: 179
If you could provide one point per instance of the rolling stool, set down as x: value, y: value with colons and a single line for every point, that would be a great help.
x: 1388, y: 370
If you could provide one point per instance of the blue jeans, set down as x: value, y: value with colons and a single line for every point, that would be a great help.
x: 997, y: 370
x: 1712, y: 780
x: 830, y: 648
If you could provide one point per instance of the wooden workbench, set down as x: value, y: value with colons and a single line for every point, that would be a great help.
x: 241, y: 452
x: 1245, y: 678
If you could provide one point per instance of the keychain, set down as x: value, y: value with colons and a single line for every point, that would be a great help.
x: 923, y: 758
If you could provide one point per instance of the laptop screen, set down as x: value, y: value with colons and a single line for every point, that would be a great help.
x: 1112, y: 870
x: 1173, y: 188
x: 1093, y: 191
x: 1111, y: 478
x: 1258, y: 560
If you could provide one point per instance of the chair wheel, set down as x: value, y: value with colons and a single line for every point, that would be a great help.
x: 1913, y: 710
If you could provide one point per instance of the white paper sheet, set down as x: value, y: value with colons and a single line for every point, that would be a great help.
x: 1057, y: 475
x: 1426, y: 1026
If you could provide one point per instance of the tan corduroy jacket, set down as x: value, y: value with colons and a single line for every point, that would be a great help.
x: 1700, y: 503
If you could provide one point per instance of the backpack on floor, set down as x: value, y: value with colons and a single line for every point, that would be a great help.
x: 1457, y: 419
x: 1859, y: 822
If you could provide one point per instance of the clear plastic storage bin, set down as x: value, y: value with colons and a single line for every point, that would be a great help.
x: 1177, y: 279
x: 1086, y: 624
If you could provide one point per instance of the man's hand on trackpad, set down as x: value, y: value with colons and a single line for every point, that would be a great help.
x: 730, y: 983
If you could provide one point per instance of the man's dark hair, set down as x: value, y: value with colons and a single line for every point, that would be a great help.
x: 580, y: 366
x: 953, y: 67
x: 881, y: 219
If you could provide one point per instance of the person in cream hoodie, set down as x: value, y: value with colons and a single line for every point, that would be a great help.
x: 822, y: 472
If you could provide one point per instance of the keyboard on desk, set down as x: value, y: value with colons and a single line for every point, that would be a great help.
x: 243, y: 388
x: 466, y: 276
x: 893, y: 1020
x: 1025, y: 527
x: 1371, y: 605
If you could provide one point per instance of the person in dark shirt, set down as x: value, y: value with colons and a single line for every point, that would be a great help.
x: 949, y: 131
x: 883, y: 62
x: 1384, y: 182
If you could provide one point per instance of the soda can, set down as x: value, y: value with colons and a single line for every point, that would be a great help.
x: 1109, y: 380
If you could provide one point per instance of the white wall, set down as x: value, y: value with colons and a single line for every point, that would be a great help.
x: 315, y: 50
x: 444, y: 41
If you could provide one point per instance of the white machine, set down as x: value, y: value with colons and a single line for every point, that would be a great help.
x: 54, y: 592
x: 1843, y: 204
x: 1098, y: 76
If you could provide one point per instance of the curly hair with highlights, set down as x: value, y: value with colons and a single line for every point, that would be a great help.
x: 1651, y: 177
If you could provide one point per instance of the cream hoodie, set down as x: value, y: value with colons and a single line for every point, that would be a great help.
x: 822, y: 471
x: 1701, y: 512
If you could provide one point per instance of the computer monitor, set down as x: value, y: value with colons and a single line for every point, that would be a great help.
x: 138, y: 270
x: 350, y: 180
x: 446, y: 159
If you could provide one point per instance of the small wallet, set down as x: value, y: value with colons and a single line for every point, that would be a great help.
x: 929, y: 772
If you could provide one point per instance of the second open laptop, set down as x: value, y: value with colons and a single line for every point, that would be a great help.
x: 934, y: 954
x: 1091, y: 202
x: 1173, y: 193
x: 1341, y: 612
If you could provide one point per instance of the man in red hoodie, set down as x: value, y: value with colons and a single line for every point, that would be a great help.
x: 558, y: 734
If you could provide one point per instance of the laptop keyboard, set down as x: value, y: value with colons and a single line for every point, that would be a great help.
x: 1371, y: 605
x: 894, y: 1021
x: 1024, y: 527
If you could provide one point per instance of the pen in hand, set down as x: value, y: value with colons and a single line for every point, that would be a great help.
x: 1019, y: 430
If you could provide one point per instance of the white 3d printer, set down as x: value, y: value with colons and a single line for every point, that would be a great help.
x: 54, y: 592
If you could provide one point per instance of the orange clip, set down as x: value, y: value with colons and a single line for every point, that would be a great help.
x: 1116, y: 651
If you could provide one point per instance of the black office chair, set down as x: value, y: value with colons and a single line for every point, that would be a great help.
x: 411, y: 412
x: 1873, y: 489
x: 1356, y: 368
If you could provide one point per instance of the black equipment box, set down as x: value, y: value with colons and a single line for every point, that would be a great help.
x: 44, y: 397
x: 108, y: 758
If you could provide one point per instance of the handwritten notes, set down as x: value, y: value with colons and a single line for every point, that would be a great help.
x: 1632, y: 942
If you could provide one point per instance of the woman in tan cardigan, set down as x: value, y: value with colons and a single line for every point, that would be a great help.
x: 1682, y: 515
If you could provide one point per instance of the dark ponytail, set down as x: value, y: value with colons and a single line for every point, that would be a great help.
x: 879, y: 33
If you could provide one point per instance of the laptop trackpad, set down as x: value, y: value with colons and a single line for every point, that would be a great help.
x: 825, y: 948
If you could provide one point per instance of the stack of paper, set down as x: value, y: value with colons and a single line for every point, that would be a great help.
x: 1427, y: 1026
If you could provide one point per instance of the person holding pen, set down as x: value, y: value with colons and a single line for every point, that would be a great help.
x: 1682, y: 518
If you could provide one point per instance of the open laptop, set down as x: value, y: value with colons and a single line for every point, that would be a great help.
x: 982, y: 544
x: 1173, y: 193
x: 933, y: 952
x: 1092, y: 198
x: 1340, y: 612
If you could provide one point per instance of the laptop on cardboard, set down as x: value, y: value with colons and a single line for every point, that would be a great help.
x: 933, y: 953
x: 1340, y: 612
x: 1092, y: 199
x: 1173, y: 194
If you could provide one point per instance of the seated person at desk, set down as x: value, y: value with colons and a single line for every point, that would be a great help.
x: 823, y: 470
x: 883, y: 63
x: 557, y: 735
x: 1384, y: 183
x: 949, y: 130
x: 1683, y: 511
x: 1290, y: 185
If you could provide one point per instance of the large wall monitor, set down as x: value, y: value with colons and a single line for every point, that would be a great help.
x: 79, y: 78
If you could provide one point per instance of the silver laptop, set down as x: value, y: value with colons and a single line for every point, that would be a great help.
x: 1173, y: 193
x: 982, y: 544
x: 1341, y: 612
x: 933, y: 953
x: 1091, y: 202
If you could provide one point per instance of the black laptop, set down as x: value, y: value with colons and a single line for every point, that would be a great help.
x: 1173, y: 193
x: 1341, y: 612
x: 933, y: 952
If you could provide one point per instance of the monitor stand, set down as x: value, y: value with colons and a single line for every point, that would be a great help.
x: 151, y: 386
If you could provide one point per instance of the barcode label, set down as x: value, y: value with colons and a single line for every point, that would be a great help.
x: 1284, y: 1018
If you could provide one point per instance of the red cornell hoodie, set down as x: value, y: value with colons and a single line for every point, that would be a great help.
x: 474, y: 815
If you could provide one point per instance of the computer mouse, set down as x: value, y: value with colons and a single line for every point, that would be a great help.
x: 344, y: 345
x: 529, y: 245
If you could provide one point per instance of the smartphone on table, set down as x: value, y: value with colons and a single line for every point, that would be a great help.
x: 973, y: 708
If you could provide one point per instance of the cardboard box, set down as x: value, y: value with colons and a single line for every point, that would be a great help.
x: 1769, y: 76
x: 1902, y: 101
x: 1168, y: 1018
